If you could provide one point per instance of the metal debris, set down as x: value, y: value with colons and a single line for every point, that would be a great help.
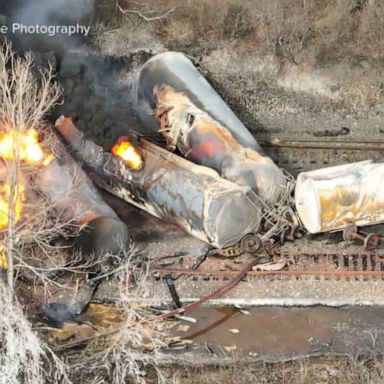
x: 273, y: 266
x: 370, y: 240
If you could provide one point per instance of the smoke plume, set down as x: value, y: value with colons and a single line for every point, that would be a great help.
x: 48, y: 13
x: 97, y: 93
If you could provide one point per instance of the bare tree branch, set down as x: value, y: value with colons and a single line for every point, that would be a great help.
x: 25, y: 99
x: 144, y: 14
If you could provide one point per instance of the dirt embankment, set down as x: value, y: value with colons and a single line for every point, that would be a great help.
x: 307, y: 69
x: 310, y: 69
x: 289, y: 69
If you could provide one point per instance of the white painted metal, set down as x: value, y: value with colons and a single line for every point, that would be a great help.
x: 331, y: 198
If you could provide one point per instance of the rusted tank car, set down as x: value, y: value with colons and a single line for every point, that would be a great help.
x: 332, y: 198
x: 174, y: 98
x: 77, y: 201
x: 169, y: 187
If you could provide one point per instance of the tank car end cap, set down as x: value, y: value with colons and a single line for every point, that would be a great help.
x: 104, y: 235
x: 307, y: 204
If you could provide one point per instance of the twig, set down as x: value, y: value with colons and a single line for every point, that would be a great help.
x: 141, y: 14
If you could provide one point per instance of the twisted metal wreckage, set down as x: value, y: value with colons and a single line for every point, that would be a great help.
x: 225, y: 191
x: 194, y: 119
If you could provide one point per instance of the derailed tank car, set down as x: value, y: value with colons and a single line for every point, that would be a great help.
x: 77, y: 201
x: 332, y: 198
x: 167, y: 186
x: 174, y: 98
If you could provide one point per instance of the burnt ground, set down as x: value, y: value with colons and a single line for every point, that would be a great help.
x: 285, y: 82
x: 335, y: 97
x: 279, y: 89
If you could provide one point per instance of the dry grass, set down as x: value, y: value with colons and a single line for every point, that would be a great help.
x: 30, y: 245
x: 24, y: 358
x: 122, y: 346
x: 319, y: 30
x: 25, y: 100
x: 305, y: 371
x: 21, y: 352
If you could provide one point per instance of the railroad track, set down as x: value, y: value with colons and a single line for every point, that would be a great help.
x: 283, y: 273
x: 316, y: 265
x: 297, y: 155
x: 315, y: 258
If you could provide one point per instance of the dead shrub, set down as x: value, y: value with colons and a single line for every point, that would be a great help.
x: 294, y: 31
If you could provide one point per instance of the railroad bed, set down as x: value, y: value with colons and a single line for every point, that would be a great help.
x: 298, y: 156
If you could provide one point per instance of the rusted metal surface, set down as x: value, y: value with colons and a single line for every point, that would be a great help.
x: 236, y: 279
x: 320, y: 258
x: 370, y: 240
x: 329, y: 267
x: 327, y: 145
x: 176, y: 70
x: 293, y: 273
x: 77, y: 202
x: 194, y: 119
x: 172, y: 188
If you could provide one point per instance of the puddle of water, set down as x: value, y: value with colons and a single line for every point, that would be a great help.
x: 281, y: 333
x: 267, y: 333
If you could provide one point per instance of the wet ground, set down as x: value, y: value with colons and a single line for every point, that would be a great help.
x: 267, y: 334
x: 278, y: 333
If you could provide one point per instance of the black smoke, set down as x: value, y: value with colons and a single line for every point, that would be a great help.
x: 48, y: 13
x: 94, y: 93
x: 96, y: 97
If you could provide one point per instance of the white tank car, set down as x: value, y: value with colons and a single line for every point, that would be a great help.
x: 332, y: 198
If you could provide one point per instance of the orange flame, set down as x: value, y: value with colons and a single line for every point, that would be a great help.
x: 25, y: 144
x: 3, y: 258
x: 5, y: 194
x: 126, y: 151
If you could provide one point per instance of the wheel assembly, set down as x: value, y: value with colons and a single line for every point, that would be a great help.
x: 250, y: 243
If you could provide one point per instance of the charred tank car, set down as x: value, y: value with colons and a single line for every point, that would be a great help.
x: 167, y: 186
x: 174, y: 98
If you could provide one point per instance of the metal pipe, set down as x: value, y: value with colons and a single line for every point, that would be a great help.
x: 174, y: 98
x: 169, y: 187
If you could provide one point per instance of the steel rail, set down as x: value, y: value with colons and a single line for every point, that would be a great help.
x: 327, y: 145
x: 292, y: 273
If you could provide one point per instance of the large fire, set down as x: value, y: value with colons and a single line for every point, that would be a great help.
x: 5, y: 194
x: 126, y: 151
x: 23, y: 145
